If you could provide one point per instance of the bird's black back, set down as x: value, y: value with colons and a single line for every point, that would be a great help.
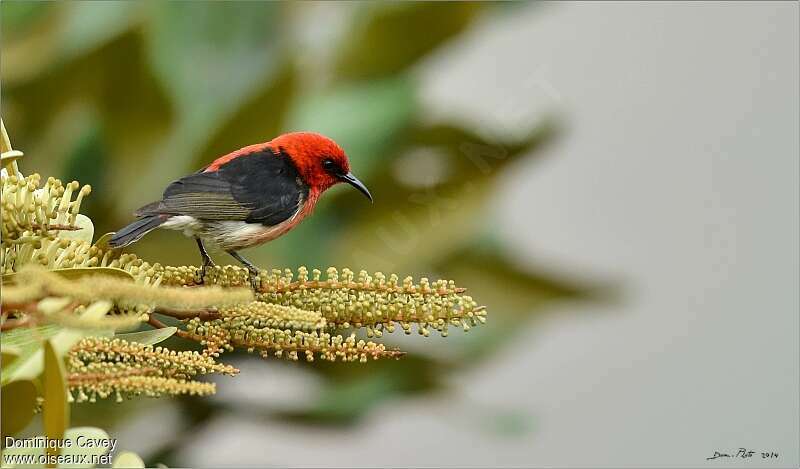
x: 259, y: 187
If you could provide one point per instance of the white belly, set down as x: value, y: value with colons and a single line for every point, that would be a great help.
x: 228, y: 235
x: 190, y: 226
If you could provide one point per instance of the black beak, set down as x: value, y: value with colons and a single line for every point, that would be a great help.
x: 353, y: 181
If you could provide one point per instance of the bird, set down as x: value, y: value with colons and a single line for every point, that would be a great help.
x: 247, y: 197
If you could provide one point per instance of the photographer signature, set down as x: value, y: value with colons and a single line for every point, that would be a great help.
x: 744, y: 453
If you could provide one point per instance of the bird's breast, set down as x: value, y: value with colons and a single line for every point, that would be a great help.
x: 235, y: 235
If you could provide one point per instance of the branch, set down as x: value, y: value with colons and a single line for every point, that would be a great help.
x: 328, y: 284
x: 37, y: 226
x: 202, y: 314
x: 180, y: 332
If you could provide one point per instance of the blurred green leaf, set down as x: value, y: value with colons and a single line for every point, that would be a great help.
x: 88, y: 25
x: 150, y: 337
x: 8, y: 353
x: 363, y: 119
x: 31, y: 361
x: 87, y: 162
x: 17, y: 17
x: 404, y: 233
x: 23, y: 338
x: 390, y: 36
x: 468, y: 156
x: 126, y: 98
x: 69, y: 32
x: 513, y: 287
x: 261, y: 118
x: 512, y: 294
x: 78, y: 272
x: 26, y: 341
x: 74, y: 30
x: 18, y: 406
x: 353, y: 392
x: 73, y: 273
x: 212, y: 60
x: 431, y: 222
x: 212, y: 51
x: 55, y: 411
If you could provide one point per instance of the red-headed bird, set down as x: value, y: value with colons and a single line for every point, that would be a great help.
x: 247, y: 197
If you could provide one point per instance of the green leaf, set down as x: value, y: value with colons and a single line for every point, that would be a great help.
x: 55, y: 412
x: 89, y: 25
x: 353, y: 392
x: 26, y: 341
x: 128, y: 459
x: 69, y: 34
x: 29, y: 365
x: 18, y: 405
x: 23, y: 337
x: 150, y: 337
x: 18, y: 16
x: 403, y: 32
x: 78, y: 272
x: 230, y: 45
x: 8, y: 353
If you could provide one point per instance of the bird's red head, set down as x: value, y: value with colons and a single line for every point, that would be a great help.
x: 320, y: 161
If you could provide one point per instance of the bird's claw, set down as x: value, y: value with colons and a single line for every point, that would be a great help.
x: 255, y: 280
x: 204, y: 270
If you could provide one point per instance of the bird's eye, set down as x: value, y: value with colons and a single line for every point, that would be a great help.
x: 329, y: 165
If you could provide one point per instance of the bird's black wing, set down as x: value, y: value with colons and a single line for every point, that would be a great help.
x: 259, y: 187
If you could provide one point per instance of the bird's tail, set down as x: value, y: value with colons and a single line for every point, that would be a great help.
x: 136, y: 230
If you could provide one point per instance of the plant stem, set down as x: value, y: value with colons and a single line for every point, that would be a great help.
x: 203, y: 314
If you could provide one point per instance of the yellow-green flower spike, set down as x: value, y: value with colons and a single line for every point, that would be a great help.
x: 102, y: 367
x: 31, y: 211
x: 374, y: 301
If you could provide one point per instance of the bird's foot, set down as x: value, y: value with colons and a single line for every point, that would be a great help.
x: 255, y: 279
x: 204, y: 270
